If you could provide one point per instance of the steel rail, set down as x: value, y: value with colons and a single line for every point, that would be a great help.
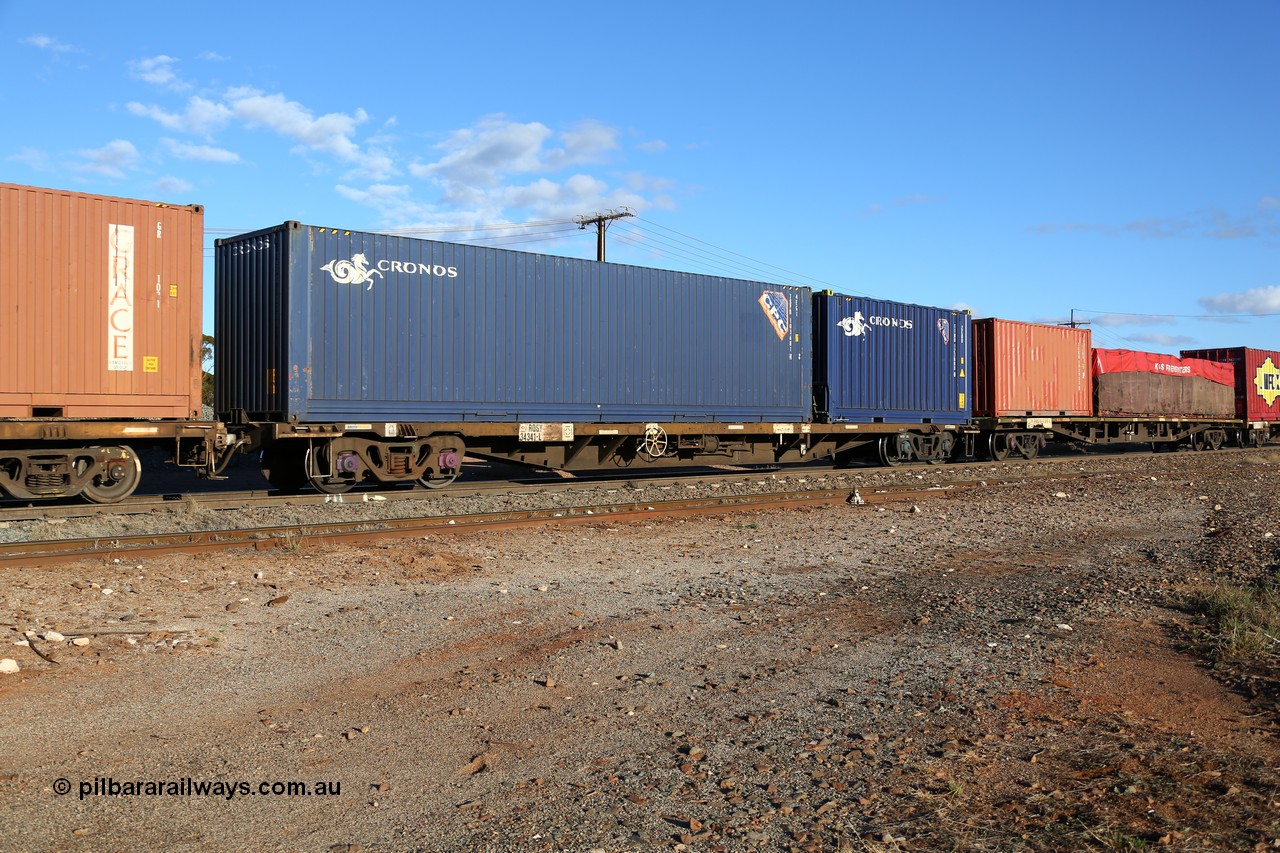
x: 296, y: 536
x: 549, y: 482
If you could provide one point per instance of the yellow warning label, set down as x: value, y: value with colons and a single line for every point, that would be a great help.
x: 962, y: 399
x: 173, y: 291
x: 150, y: 364
x: 1267, y: 381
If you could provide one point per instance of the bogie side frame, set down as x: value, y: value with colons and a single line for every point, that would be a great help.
x: 98, y: 459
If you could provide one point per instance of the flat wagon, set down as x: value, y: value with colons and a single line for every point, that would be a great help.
x: 100, y: 338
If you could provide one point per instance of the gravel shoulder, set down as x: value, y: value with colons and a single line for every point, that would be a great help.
x: 995, y: 671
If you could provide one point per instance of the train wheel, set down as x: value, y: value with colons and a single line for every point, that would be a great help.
x: 283, y: 466
x: 1213, y: 440
x: 319, y: 470
x: 1259, y: 438
x: 998, y: 446
x: 894, y: 450
x: 123, y: 476
x: 1029, y: 448
x: 945, y: 450
x: 449, y: 464
x: 430, y: 482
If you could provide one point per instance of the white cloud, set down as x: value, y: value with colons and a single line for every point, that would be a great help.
x: 496, y: 147
x: 158, y: 71
x: 477, y: 163
x: 200, y: 153
x: 46, y: 43
x: 1112, y: 320
x: 1160, y: 339
x: 173, y: 185
x: 330, y: 133
x: 587, y: 142
x: 1259, y: 300
x: 111, y: 160
x: 876, y: 209
x: 479, y: 156
x: 33, y: 158
x: 1208, y: 223
x: 201, y: 116
x: 657, y: 146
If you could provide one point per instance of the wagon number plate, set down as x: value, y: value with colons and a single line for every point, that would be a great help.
x: 546, y: 432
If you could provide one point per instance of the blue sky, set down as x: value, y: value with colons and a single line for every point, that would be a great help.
x: 1019, y: 159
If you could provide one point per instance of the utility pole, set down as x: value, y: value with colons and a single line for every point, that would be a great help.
x: 1073, y: 322
x: 601, y: 222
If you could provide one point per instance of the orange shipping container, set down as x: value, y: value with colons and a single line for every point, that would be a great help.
x: 1029, y: 369
x: 100, y: 303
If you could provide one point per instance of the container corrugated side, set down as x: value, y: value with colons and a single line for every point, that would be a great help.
x: 877, y: 361
x: 101, y: 305
x: 1031, y: 369
x: 1257, y: 379
x: 318, y: 324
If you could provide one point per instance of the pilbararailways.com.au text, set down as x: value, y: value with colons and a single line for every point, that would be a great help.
x: 107, y: 786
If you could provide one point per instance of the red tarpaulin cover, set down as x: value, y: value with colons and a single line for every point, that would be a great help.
x: 1131, y: 361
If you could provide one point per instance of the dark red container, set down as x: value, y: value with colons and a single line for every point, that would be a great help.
x: 100, y: 304
x: 1257, y: 379
x: 1030, y: 369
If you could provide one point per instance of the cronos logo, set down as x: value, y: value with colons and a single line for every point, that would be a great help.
x: 858, y: 326
x: 354, y: 271
x: 1267, y: 381
x: 358, y: 271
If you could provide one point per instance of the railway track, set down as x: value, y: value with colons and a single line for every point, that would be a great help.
x: 295, y: 536
x: 346, y: 532
x: 429, y: 518
x: 264, y: 498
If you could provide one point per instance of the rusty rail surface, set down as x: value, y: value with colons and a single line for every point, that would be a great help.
x: 296, y: 536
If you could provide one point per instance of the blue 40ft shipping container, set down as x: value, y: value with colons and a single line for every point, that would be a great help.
x: 888, y: 362
x: 317, y: 324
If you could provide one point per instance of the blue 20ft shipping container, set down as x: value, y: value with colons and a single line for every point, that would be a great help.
x: 888, y: 362
x: 319, y: 324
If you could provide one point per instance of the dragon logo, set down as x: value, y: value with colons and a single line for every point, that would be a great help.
x: 944, y: 329
x: 354, y: 271
x: 855, y: 326
x: 1267, y: 381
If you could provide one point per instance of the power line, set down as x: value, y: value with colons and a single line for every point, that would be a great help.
x: 756, y: 261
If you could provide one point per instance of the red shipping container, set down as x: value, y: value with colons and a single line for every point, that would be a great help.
x: 1257, y: 379
x: 1030, y: 369
x: 101, y: 305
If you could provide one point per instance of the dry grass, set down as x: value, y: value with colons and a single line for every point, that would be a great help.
x: 1239, y: 628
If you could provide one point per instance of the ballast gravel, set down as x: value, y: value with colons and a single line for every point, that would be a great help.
x: 888, y: 677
